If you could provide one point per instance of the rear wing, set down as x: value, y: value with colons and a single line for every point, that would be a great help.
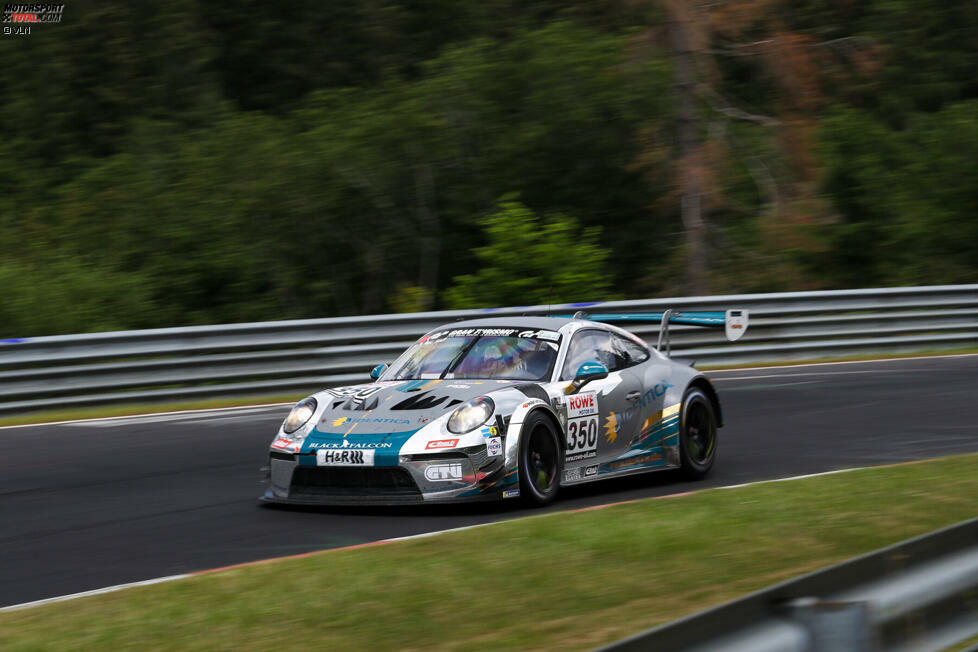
x: 734, y: 322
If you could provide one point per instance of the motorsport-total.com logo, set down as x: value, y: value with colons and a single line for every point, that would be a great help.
x: 20, y: 18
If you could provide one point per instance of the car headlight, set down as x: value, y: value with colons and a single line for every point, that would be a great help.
x: 471, y: 415
x: 299, y: 415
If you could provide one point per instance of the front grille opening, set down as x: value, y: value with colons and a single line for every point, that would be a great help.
x: 352, y: 481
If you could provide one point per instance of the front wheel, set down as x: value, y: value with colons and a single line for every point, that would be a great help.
x: 697, y: 434
x: 540, y: 460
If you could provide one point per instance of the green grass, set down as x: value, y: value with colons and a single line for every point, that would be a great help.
x: 557, y: 581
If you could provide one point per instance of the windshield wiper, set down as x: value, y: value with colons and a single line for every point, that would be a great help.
x: 457, y: 360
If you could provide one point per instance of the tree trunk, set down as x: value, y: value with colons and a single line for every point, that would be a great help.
x: 690, y: 147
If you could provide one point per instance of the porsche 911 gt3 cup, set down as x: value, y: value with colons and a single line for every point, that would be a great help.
x: 502, y: 408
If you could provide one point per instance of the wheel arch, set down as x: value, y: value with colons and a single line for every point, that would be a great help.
x: 552, y: 416
x: 702, y: 383
x: 515, y: 431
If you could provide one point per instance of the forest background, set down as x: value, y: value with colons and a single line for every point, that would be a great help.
x: 195, y: 162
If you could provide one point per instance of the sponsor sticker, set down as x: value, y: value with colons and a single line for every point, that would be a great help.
x: 582, y: 405
x: 572, y: 474
x: 582, y: 438
x: 541, y: 335
x: 640, y: 460
x: 345, y: 457
x: 511, y: 493
x: 281, y: 442
x: 473, y: 332
x: 735, y: 324
x: 490, y: 431
x: 590, y: 470
x: 443, y: 472
x: 441, y: 443
x: 390, y: 421
x: 352, y: 390
x: 353, y: 445
x: 576, y: 457
x: 494, y: 446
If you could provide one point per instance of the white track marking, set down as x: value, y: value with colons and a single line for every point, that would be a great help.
x: 823, y: 364
x: 159, y: 416
x: 810, y: 373
x: 794, y: 477
x: 183, y: 418
x: 83, y: 594
x: 119, y: 587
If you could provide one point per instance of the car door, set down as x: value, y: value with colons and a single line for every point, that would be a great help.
x: 601, y: 418
x: 645, y: 412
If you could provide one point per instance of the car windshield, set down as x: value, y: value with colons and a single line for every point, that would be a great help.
x: 478, y: 353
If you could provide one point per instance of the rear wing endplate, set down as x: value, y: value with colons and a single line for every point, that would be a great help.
x: 734, y: 322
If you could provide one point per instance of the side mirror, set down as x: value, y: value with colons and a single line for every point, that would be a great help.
x: 586, y: 373
x: 378, y: 371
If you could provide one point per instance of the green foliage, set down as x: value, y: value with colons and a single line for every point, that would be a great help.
x: 195, y: 162
x: 411, y: 298
x: 909, y: 192
x: 529, y: 261
x: 64, y: 295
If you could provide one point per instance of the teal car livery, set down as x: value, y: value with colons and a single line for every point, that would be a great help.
x: 503, y: 408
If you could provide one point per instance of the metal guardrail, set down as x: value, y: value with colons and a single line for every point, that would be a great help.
x: 919, y: 595
x: 285, y: 357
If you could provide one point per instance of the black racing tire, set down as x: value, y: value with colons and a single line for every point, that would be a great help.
x: 697, y: 434
x: 541, y: 460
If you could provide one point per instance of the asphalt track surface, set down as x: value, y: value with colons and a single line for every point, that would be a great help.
x: 92, y: 504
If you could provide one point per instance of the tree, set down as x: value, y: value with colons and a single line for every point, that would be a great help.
x: 529, y: 261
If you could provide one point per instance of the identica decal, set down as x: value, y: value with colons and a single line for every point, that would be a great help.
x: 383, y: 420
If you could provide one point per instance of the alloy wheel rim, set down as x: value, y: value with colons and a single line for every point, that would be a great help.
x: 701, y: 435
x: 541, y: 458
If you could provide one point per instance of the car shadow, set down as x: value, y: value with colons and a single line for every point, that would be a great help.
x: 601, y: 492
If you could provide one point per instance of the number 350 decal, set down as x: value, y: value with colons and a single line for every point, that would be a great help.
x: 582, y: 435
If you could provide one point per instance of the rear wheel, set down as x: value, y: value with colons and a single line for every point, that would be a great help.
x: 697, y: 434
x: 540, y: 461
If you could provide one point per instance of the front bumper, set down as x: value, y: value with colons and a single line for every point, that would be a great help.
x: 459, y: 476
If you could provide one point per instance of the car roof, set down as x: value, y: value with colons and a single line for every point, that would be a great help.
x: 549, y: 323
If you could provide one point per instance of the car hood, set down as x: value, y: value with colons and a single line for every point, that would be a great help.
x: 399, y: 406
